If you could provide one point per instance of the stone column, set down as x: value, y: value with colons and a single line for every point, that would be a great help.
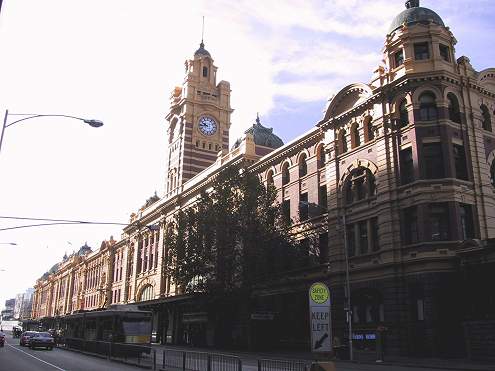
x: 68, y: 293
x: 125, y: 283
x: 133, y: 278
x: 160, y: 258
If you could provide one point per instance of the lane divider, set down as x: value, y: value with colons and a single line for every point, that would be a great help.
x: 39, y: 359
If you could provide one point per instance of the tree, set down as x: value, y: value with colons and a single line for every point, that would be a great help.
x: 233, y: 237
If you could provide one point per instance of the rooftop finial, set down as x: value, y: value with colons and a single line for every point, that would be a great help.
x: 202, y: 33
x: 258, y: 118
x: 412, y: 4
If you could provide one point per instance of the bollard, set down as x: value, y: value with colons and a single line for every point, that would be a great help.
x: 239, y: 365
x: 183, y: 361
x: 154, y: 359
x: 208, y: 361
x: 259, y: 365
x: 163, y: 359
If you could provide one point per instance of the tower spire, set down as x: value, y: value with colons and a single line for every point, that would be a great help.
x: 203, y: 33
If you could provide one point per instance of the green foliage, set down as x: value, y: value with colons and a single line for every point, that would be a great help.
x: 232, y: 238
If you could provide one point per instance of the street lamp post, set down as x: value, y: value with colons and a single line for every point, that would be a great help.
x: 347, y: 289
x: 27, y: 116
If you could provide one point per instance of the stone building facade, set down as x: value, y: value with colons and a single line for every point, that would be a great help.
x: 396, y: 183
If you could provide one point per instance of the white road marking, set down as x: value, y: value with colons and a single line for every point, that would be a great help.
x: 39, y: 359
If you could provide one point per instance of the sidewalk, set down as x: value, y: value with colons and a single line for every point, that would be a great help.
x: 250, y: 359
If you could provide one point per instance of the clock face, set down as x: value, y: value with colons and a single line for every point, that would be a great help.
x: 207, y: 125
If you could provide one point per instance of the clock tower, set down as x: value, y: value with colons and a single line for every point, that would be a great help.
x: 198, y: 122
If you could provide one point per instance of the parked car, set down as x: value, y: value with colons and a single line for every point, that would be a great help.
x: 2, y: 339
x: 24, y: 340
x: 42, y: 340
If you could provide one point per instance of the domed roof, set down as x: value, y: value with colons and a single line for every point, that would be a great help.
x: 53, y: 269
x: 202, y: 52
x: 415, y: 14
x: 262, y: 136
x: 84, y: 250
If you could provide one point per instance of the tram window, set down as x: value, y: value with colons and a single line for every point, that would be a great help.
x: 90, y: 330
x: 136, y: 326
x: 105, y: 329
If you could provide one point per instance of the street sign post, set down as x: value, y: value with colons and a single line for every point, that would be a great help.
x: 320, y: 318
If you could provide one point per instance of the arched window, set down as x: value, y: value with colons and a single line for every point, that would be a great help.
x: 342, y: 142
x: 427, y: 107
x: 303, y: 166
x: 355, y: 139
x: 321, y: 156
x: 146, y: 293
x: 454, y: 112
x: 269, y: 177
x: 285, y: 174
x: 359, y: 185
x: 205, y: 71
x: 403, y: 114
x: 369, y: 133
x: 492, y: 173
x: 487, y: 121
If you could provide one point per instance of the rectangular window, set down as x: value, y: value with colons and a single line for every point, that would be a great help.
x: 286, y: 210
x: 303, y: 207
x: 406, y: 166
x: 381, y: 310
x: 355, y: 314
x: 322, y: 199
x: 433, y: 161
x: 421, y: 51
x: 467, y: 223
x: 363, y: 237
x: 410, y: 225
x: 444, y: 52
x: 399, y: 58
x: 375, y: 245
x: 460, y: 162
x: 205, y: 71
x: 323, y: 246
x: 351, y: 244
x: 420, y: 307
x: 439, y: 222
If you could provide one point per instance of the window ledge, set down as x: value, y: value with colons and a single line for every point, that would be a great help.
x: 358, y: 148
x: 359, y: 203
x: 432, y: 182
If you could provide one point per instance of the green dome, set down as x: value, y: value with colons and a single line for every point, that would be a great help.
x: 262, y: 136
x: 415, y: 14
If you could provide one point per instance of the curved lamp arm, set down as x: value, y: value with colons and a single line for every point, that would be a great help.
x: 92, y: 123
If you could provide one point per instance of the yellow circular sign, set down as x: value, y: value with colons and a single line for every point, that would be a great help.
x: 319, y: 293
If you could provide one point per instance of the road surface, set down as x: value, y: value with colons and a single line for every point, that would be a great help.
x: 13, y: 357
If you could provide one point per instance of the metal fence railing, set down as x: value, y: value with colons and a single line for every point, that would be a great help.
x: 177, y: 360
x: 282, y: 365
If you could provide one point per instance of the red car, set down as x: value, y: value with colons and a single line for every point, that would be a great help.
x: 24, y: 340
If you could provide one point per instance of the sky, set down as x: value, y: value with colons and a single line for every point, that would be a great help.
x: 118, y: 61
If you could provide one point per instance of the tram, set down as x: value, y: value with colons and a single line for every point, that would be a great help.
x: 120, y: 324
x: 31, y: 325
